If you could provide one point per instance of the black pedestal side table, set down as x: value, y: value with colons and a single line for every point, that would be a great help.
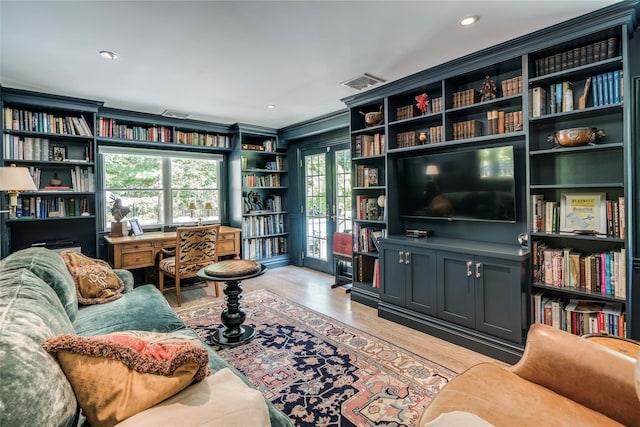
x: 232, y: 272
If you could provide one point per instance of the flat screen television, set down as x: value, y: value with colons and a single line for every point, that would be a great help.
x: 476, y: 184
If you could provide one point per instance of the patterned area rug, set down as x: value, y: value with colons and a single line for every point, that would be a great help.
x: 321, y: 372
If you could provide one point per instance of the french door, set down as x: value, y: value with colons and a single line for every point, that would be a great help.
x: 327, y: 202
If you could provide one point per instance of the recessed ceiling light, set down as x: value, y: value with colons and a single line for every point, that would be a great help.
x: 271, y: 106
x: 108, y: 54
x: 468, y: 20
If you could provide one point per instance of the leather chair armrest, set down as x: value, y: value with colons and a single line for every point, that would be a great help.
x: 589, y: 373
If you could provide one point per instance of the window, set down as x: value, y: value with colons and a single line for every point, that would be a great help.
x: 161, y: 187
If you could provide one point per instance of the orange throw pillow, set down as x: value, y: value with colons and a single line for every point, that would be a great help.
x: 96, y: 283
x: 118, y: 375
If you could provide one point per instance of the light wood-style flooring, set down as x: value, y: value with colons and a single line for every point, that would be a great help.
x: 313, y: 289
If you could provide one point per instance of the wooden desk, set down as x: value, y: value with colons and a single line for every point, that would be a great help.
x: 141, y: 251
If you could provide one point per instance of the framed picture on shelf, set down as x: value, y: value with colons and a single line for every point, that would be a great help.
x: 57, y: 152
x: 583, y: 213
x: 136, y: 230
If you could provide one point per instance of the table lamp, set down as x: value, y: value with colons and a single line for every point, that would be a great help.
x: 13, y: 180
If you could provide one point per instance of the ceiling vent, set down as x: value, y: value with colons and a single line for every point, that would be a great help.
x: 174, y: 114
x: 362, y: 82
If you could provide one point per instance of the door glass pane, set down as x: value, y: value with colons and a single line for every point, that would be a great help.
x: 316, y: 206
x: 343, y: 190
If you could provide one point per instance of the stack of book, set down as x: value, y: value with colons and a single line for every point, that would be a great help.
x: 369, y: 145
x: 467, y: 129
x: 465, y: 97
x: 512, y: 86
x: 586, y: 54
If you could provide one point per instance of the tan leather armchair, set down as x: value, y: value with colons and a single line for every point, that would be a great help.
x: 561, y: 380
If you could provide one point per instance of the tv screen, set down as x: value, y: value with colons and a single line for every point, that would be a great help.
x: 476, y: 184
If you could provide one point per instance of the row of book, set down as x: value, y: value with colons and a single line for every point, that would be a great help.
x: 367, y: 270
x: 52, y: 207
x: 109, y: 128
x: 600, y: 89
x: 467, y: 129
x: 408, y: 139
x: 571, y: 58
x: 603, y: 273
x: 41, y: 149
x: 512, y: 86
x: 37, y: 121
x: 545, y: 216
x: 464, y: 98
x: 366, y: 176
x: 275, y: 165
x: 367, y: 239
x: 500, y: 122
x: 256, y: 226
x: 406, y: 112
x: 369, y: 145
x: 82, y: 180
x: 203, y: 139
x: 579, y: 316
x: 257, y: 248
x: 367, y: 208
x: 267, y: 180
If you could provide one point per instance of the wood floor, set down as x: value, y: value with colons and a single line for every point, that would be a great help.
x: 313, y: 289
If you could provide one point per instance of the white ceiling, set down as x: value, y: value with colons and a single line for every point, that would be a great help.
x: 224, y: 61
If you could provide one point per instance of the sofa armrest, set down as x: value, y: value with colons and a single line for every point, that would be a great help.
x: 589, y: 373
x: 127, y: 278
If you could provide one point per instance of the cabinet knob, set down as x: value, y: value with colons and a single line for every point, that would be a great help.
x: 469, y: 264
x: 401, y: 254
x: 407, y: 257
x: 478, y: 267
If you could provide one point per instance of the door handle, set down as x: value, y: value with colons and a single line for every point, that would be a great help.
x: 407, y: 257
x: 469, y: 264
x: 478, y: 267
x: 401, y: 254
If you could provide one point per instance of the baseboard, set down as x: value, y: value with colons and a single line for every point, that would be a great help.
x: 503, y: 350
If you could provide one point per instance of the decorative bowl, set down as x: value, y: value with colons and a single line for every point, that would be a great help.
x: 373, y: 118
x: 576, y: 137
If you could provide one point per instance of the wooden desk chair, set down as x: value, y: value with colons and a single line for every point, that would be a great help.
x: 195, y: 249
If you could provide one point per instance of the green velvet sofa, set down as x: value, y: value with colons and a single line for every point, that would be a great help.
x: 37, y: 301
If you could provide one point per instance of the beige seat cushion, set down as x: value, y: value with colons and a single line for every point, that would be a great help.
x: 221, y: 399
x: 502, y: 398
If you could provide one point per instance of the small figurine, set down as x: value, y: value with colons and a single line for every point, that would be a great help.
x: 422, y: 102
x: 489, y: 90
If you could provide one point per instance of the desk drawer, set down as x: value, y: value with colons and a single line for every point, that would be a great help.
x: 226, y: 247
x: 137, y: 259
x: 136, y: 246
x: 165, y: 243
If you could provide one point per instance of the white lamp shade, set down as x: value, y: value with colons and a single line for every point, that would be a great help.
x: 14, y: 178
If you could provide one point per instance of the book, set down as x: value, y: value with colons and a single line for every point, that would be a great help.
x: 372, y: 177
x: 539, y: 102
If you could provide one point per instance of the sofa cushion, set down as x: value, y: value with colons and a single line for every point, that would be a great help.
x: 222, y: 399
x: 117, y: 375
x: 49, y: 266
x: 34, y: 390
x: 216, y: 363
x: 501, y: 397
x: 143, y: 309
x: 95, y: 281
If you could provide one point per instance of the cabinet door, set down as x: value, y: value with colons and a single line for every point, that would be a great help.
x: 393, y: 272
x: 499, y: 299
x: 455, y: 285
x: 421, y: 282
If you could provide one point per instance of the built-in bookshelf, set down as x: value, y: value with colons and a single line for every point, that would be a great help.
x: 264, y: 186
x: 368, y: 157
x: 118, y: 127
x: 512, y: 100
x: 54, y: 138
x: 577, y: 191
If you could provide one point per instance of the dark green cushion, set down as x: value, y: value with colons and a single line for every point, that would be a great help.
x: 34, y: 390
x: 143, y: 309
x: 49, y: 266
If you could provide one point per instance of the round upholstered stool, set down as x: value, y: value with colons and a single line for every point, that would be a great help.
x: 232, y: 272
